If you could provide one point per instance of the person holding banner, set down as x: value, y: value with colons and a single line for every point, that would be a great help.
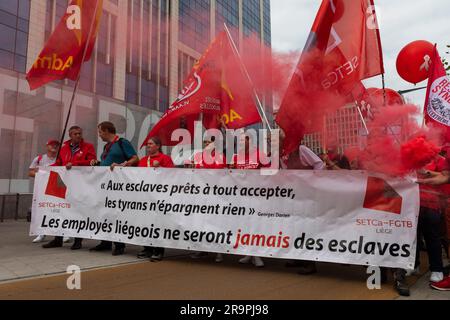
x: 210, y: 158
x: 118, y: 152
x: 74, y: 152
x: 154, y: 159
x: 249, y: 160
x: 430, y: 221
x: 304, y: 159
x: 43, y: 160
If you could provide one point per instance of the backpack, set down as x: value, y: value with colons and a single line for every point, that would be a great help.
x: 120, y: 141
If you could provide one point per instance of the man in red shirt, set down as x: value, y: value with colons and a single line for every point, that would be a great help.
x: 74, y: 152
x: 154, y: 159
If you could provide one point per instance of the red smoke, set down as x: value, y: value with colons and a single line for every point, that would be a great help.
x: 396, y: 144
x: 418, y: 152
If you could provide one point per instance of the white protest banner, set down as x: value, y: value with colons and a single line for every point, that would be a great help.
x: 348, y: 217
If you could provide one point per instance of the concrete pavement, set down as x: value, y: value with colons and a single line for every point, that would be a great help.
x: 29, y: 272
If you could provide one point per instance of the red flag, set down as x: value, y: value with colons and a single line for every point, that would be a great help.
x: 63, y: 54
x: 216, y: 87
x: 437, y: 104
x: 343, y: 48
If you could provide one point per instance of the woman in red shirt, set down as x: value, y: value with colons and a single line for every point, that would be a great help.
x: 154, y: 159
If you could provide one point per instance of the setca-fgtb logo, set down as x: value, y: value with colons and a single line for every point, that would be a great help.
x: 55, y: 188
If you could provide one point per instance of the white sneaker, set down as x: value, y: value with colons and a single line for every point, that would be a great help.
x: 413, y: 272
x: 67, y: 239
x: 219, y: 258
x: 437, y: 277
x: 245, y: 260
x: 39, y: 239
x: 257, y: 262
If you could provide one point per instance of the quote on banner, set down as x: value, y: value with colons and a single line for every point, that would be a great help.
x: 343, y: 216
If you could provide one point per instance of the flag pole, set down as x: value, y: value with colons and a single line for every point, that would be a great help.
x: 94, y: 17
x: 362, y: 118
x: 259, y: 105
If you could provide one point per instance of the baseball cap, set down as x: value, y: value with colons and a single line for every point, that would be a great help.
x: 52, y: 142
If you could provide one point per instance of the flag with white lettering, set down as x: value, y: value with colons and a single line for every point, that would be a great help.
x: 437, y: 104
x: 343, y: 48
x: 217, y: 89
x: 62, y: 55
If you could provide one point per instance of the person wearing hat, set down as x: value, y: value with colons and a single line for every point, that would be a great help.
x: 74, y: 153
x: 43, y: 160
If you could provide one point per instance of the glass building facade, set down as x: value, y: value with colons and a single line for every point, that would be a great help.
x: 144, y: 51
x: 14, y: 25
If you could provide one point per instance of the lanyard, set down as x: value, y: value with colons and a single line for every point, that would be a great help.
x: 149, y: 164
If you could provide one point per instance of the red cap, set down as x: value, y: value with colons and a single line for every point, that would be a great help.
x: 52, y: 142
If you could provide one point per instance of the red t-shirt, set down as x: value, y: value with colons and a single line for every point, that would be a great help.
x: 159, y: 160
x: 430, y: 195
x: 252, y: 161
x: 217, y: 161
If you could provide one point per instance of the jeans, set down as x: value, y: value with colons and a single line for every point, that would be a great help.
x: 430, y: 227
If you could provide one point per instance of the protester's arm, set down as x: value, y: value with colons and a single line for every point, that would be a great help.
x: 435, y: 178
x: 32, y: 172
x: 33, y: 169
x: 309, y: 158
x: 88, y: 157
x: 131, y: 163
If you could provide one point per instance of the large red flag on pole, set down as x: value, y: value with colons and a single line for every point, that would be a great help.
x: 216, y: 88
x: 70, y: 44
x: 437, y: 104
x: 343, y: 48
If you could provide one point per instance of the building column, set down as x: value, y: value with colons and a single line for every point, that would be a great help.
x: 241, y: 24
x: 173, y: 58
x: 212, y: 19
x: 261, y: 12
x: 36, y: 38
x: 120, y: 57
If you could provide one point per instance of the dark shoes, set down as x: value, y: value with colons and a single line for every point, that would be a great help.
x: 400, y: 283
x: 156, y: 257
x: 294, y: 264
x: 118, y: 251
x: 53, y: 244
x: 158, y: 254
x: 102, y: 247
x: 145, y: 254
x: 402, y: 288
x: 307, y: 268
x: 76, y: 245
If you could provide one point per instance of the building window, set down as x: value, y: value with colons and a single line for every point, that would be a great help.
x: 194, y: 24
x: 252, y: 18
x: 227, y: 11
x: 267, y: 24
x: 14, y: 25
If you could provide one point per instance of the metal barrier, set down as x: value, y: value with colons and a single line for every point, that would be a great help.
x: 17, y: 200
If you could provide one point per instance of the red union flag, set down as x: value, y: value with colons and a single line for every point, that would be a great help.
x: 216, y: 88
x: 437, y: 105
x: 343, y: 48
x: 62, y: 54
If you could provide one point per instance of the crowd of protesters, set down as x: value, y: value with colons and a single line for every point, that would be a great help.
x: 119, y: 152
